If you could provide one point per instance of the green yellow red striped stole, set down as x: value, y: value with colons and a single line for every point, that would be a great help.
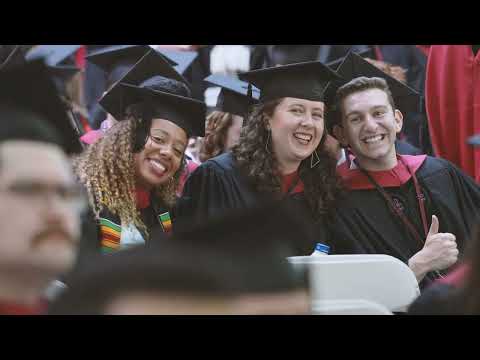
x: 166, y: 222
x: 109, y: 236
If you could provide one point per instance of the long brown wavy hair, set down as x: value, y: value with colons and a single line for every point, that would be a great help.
x: 213, y: 144
x: 322, y: 186
x: 107, y: 170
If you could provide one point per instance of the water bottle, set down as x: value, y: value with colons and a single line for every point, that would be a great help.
x: 321, y: 250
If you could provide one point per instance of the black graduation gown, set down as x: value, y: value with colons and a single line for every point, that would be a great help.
x: 439, y: 299
x: 404, y: 148
x: 364, y: 224
x: 218, y: 185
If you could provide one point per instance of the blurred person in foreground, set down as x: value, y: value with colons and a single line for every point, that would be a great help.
x: 40, y: 202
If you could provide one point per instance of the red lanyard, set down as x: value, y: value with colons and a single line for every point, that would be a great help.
x: 396, y: 209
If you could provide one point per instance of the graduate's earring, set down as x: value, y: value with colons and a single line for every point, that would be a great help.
x: 317, y: 160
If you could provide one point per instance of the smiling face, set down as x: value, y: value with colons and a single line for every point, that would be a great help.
x: 162, y: 155
x: 369, y: 127
x: 297, y: 128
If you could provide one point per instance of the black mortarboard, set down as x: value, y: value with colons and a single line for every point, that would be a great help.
x: 232, y: 256
x: 186, y: 112
x: 259, y: 238
x: 233, y: 97
x: 306, y: 80
x: 183, y: 58
x: 30, y: 87
x: 53, y: 55
x: 117, y: 60
x: 406, y: 99
x: 150, y: 65
x: 369, y: 53
x: 11, y: 56
x: 143, y: 83
x: 474, y: 140
x: 160, y: 273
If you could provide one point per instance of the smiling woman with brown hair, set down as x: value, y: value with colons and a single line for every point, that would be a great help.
x: 280, y: 153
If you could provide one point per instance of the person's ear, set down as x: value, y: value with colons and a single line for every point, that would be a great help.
x: 398, y: 121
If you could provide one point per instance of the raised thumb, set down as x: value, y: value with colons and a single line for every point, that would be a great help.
x: 434, y: 226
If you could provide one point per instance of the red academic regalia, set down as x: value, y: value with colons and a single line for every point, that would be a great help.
x: 10, y: 308
x: 453, y: 104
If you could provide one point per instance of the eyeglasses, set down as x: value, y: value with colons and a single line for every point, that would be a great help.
x: 70, y: 195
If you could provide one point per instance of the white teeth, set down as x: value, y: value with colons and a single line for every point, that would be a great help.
x: 373, y: 139
x: 304, y: 137
x: 157, y: 165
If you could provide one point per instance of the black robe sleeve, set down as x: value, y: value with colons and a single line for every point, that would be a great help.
x: 438, y: 299
x: 215, y: 186
x: 468, y: 194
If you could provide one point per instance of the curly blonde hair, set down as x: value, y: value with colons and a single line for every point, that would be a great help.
x: 107, y: 170
x: 254, y: 154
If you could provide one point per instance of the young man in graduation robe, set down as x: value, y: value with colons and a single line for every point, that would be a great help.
x: 40, y: 202
x: 418, y: 209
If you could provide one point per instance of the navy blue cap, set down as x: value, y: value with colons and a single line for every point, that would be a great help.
x: 368, y: 53
x: 233, y: 97
x: 52, y: 54
x: 117, y: 60
x: 474, y: 140
x: 183, y: 58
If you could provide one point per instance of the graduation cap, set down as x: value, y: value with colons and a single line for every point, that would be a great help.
x: 57, y: 59
x: 117, y: 60
x: 11, y: 56
x: 258, y: 238
x: 305, y: 80
x: 143, y: 83
x: 233, y: 97
x: 218, y: 264
x: 30, y: 88
x: 369, y: 53
x: 139, y: 270
x: 150, y: 65
x: 183, y: 59
x: 353, y: 66
x: 53, y: 55
x: 474, y: 140
x: 186, y: 112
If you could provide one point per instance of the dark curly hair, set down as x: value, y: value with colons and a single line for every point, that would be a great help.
x: 322, y: 186
x: 213, y: 144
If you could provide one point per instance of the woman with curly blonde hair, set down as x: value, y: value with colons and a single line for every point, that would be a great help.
x: 131, y: 173
x: 280, y: 153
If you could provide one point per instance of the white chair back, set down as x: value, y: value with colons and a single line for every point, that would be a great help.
x: 380, y: 279
x: 348, y: 307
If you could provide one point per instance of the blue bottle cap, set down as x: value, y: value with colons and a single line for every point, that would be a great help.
x: 322, y: 248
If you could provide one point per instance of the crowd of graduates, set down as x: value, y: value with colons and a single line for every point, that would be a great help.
x: 178, y: 179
